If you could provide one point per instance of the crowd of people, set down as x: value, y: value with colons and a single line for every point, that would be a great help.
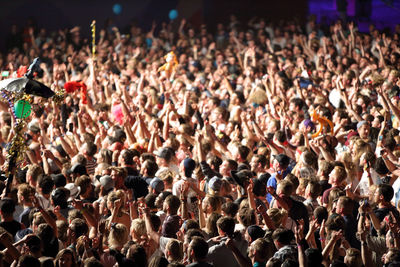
x: 228, y: 158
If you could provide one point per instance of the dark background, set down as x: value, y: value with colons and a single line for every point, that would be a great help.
x: 56, y: 14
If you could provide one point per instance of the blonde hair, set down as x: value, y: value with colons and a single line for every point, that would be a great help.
x: 118, y: 235
x: 138, y: 226
x: 277, y: 216
x: 175, y: 248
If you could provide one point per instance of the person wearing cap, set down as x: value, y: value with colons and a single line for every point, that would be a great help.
x: 156, y: 186
x: 165, y: 160
x: 281, y: 168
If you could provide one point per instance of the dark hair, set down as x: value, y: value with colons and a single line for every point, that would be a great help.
x: 314, y: 257
x: 243, y: 151
x: 199, y: 247
x: 283, y: 236
x: 92, y: 262
x: 386, y: 191
x: 247, y: 216
x: 320, y: 213
x: 155, y: 221
x: 298, y: 102
x: 79, y: 227
x: 150, y: 200
x: 46, y: 183
x: 173, y: 203
x: 137, y: 254
x: 28, y: 261
x: 7, y: 206
x: 230, y: 209
x: 128, y: 155
x: 191, y: 233
x: 91, y: 148
x: 227, y: 225
x: 50, y: 243
x: 151, y: 167
x: 261, y: 159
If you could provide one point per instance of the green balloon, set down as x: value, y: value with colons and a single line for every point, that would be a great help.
x: 22, y: 109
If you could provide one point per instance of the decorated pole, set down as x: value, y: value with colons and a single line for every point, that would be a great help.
x: 93, y: 26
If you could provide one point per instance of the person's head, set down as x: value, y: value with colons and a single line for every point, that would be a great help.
x: 92, y: 262
x: 226, y: 226
x: 7, y: 207
x: 363, y: 129
x: 282, y: 237
x: 227, y: 166
x: 337, y: 176
x: 118, y: 236
x: 211, y: 204
x: 230, y: 209
x: 198, y: 249
x: 344, y: 206
x: 118, y: 174
x: 246, y: 216
x: 280, y: 163
x: 65, y: 258
x: 353, y: 258
x: 78, y: 227
x: 89, y: 149
x: 28, y: 261
x: 284, y: 188
x: 325, y: 168
x: 384, y: 193
x: 138, y: 229
x: 174, y: 250
x: 260, y: 250
x: 313, y: 190
x: 149, y: 168
x: 85, y: 184
x: 137, y: 254
x: 172, y: 204
x: 253, y: 232
x: 59, y: 197
x: 126, y: 158
x: 258, y: 163
x: 33, y: 173
x: 25, y: 193
x: 46, y: 184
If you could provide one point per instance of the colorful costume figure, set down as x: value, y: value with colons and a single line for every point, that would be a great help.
x: 170, y: 65
x: 71, y: 87
x: 323, y: 122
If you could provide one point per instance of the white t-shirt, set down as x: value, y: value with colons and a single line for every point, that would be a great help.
x: 363, y: 185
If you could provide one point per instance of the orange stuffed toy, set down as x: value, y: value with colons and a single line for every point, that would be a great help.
x: 323, y: 122
x: 71, y: 87
x: 170, y: 65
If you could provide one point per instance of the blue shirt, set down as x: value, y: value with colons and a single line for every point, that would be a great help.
x: 272, y: 181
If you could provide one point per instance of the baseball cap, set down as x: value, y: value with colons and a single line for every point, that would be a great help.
x: 349, y: 136
x: 59, y: 180
x: 106, y: 182
x: 157, y: 184
x: 282, y: 159
x: 73, y: 189
x: 189, y: 165
x: 215, y: 183
x: 164, y: 153
x: 78, y: 169
x: 361, y: 123
x: 242, y: 177
x: 255, y: 232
